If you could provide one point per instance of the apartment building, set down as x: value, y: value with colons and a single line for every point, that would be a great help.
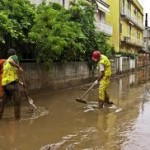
x: 100, y: 18
x: 126, y: 16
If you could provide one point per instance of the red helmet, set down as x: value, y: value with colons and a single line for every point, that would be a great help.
x: 96, y: 55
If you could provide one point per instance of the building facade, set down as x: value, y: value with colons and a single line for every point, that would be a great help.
x: 100, y: 18
x: 147, y: 39
x: 147, y: 34
x: 126, y: 16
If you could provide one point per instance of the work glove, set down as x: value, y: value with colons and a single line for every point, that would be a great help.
x: 21, y: 83
x: 20, y: 69
x: 95, y: 82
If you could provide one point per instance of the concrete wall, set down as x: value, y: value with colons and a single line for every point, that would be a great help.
x: 69, y: 74
x: 60, y: 75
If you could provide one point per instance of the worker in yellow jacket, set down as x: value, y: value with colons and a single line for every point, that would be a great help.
x: 10, y: 81
x: 104, y: 68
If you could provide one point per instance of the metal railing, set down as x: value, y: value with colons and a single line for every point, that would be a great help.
x: 127, y: 13
x: 132, y: 40
x: 105, y: 28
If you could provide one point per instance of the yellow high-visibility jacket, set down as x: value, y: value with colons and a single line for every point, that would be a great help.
x: 105, y: 61
x: 9, y: 73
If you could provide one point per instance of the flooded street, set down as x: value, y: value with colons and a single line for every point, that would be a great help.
x: 61, y: 123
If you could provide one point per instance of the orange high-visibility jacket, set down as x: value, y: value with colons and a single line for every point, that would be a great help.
x: 1, y: 70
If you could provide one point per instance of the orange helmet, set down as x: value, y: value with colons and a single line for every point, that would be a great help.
x: 96, y: 55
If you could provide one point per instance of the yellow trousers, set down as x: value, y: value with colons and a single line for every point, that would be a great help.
x: 104, y: 87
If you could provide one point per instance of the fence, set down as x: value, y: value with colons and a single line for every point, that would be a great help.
x: 72, y: 74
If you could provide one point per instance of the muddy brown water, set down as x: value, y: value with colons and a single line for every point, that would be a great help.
x: 61, y: 123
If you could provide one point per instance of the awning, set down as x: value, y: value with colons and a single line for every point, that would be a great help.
x: 102, y: 7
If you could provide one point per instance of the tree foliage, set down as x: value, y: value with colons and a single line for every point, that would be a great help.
x: 6, y: 26
x: 83, y: 13
x: 56, y: 37
x: 54, y: 33
x: 16, y: 20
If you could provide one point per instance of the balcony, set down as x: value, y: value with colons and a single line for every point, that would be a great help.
x: 126, y: 13
x: 102, y: 6
x: 105, y: 28
x: 132, y: 40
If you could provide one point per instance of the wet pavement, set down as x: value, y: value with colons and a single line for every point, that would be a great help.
x: 61, y: 123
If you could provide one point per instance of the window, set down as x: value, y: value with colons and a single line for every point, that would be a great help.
x: 63, y: 2
x: 135, y: 11
x: 120, y: 27
x: 100, y: 14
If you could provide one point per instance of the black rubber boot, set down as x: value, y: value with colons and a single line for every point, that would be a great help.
x: 2, y: 105
x: 107, y: 100
x: 100, y: 104
x: 110, y: 102
x: 17, y: 110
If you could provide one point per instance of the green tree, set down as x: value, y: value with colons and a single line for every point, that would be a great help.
x: 6, y: 26
x: 83, y: 12
x: 103, y: 45
x: 16, y: 20
x: 55, y: 36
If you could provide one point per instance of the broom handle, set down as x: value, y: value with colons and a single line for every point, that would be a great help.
x: 26, y: 93
x: 87, y: 91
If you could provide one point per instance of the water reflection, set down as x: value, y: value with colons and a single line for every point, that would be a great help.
x: 8, y: 134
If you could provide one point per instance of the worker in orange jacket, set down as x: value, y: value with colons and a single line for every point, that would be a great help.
x: 1, y: 69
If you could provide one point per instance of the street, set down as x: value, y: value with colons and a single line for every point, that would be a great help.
x: 61, y: 123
